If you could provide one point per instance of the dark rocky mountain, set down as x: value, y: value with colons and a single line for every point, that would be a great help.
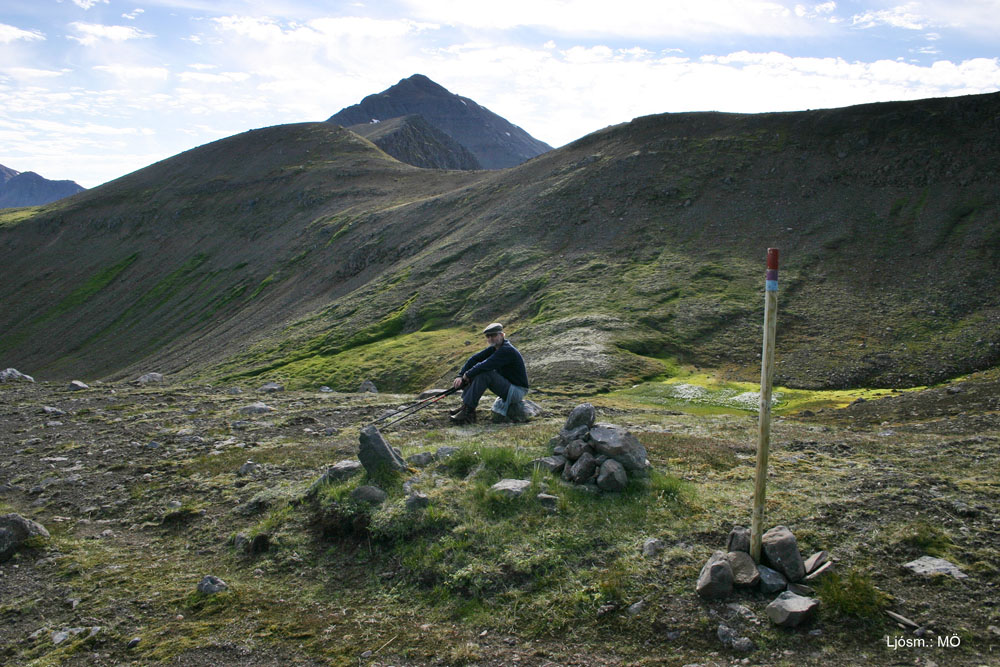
x: 30, y: 189
x: 304, y: 253
x: 495, y: 142
x: 411, y: 139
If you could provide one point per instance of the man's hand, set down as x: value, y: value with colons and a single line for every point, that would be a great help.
x: 459, y: 382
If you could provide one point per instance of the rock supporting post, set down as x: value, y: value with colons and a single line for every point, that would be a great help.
x: 764, y: 425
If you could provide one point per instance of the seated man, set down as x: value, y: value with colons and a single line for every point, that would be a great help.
x: 499, y: 368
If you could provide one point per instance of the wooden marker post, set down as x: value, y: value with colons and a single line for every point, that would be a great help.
x: 766, y: 377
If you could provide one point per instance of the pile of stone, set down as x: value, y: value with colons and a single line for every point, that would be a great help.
x: 782, y: 571
x: 601, y: 457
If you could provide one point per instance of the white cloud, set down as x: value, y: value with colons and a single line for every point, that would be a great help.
x: 9, y: 33
x: 626, y: 18
x: 132, y: 72
x: 134, y: 14
x: 905, y: 16
x: 29, y: 73
x: 87, y: 4
x: 92, y: 34
x: 222, y: 77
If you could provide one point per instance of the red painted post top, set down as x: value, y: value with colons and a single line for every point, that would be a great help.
x: 772, y: 259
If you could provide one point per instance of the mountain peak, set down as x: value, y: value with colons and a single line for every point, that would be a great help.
x: 495, y: 142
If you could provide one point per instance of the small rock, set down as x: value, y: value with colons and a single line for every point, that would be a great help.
x: 375, y: 453
x: 782, y: 553
x: 801, y: 589
x: 211, y: 585
x: 553, y: 464
x: 611, y: 477
x: 417, y: 500
x: 815, y: 561
x: 257, y: 408
x: 14, y: 375
x: 583, y: 469
x: 716, y: 577
x: 271, y: 388
x: 52, y: 411
x: 619, y: 444
x: 511, y: 488
x: 739, y: 539
x: 652, y: 547
x: 548, y: 501
x: 582, y: 415
x: 421, y: 459
x: 76, y: 385
x: 326, y: 390
x: 148, y: 378
x: 368, y: 387
x: 929, y: 566
x: 745, y: 572
x: 16, y: 532
x: 446, y: 451
x: 790, y: 610
x: 369, y: 494
x: 636, y: 609
x: 248, y: 468
x: 132, y: 643
x: 771, y: 581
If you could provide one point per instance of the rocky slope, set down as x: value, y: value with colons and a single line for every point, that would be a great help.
x: 413, y: 140
x: 495, y: 142
x: 303, y: 253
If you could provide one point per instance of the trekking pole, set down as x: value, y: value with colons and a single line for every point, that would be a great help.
x: 405, y: 412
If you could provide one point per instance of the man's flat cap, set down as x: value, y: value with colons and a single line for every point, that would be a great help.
x: 496, y: 327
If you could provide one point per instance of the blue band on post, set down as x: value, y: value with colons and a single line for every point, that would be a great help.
x: 771, y: 286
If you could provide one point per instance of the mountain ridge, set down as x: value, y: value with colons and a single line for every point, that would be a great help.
x: 495, y: 142
x: 304, y: 253
x: 30, y: 189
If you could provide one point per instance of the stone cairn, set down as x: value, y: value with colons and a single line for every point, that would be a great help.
x: 598, y: 456
x: 782, y: 571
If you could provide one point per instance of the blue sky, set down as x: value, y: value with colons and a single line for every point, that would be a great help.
x: 93, y: 89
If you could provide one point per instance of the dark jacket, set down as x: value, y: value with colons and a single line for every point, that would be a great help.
x: 506, y: 360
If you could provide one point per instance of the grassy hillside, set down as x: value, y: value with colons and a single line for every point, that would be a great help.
x: 304, y: 253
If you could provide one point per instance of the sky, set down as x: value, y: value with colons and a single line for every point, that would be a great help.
x: 91, y: 90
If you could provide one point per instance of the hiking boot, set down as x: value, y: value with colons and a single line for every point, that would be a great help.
x: 465, y: 415
x: 452, y: 413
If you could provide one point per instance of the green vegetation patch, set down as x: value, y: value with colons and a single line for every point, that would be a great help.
x: 92, y: 286
x: 408, y: 363
x: 701, y: 393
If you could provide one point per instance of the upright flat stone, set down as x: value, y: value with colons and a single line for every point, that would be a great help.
x: 782, y: 553
x: 375, y: 453
x: 790, y: 610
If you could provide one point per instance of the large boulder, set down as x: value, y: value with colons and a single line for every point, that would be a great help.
x: 716, y: 577
x: 782, y: 553
x: 618, y: 443
x: 375, y: 453
x: 16, y: 532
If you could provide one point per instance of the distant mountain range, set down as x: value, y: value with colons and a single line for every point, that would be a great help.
x: 29, y: 189
x: 493, y: 141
